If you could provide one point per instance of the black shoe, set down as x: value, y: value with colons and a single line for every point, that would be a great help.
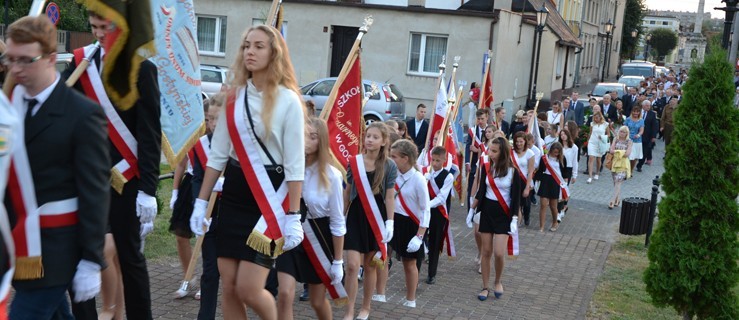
x: 526, y: 222
x: 638, y: 169
x: 431, y: 280
x: 533, y: 201
x: 304, y: 295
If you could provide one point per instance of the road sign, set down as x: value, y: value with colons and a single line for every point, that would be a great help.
x: 53, y: 12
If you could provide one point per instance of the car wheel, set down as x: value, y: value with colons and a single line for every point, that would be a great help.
x: 368, y: 120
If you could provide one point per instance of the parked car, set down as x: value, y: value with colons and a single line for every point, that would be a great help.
x: 385, y: 104
x: 631, y: 81
x: 644, y: 69
x: 601, y: 88
x: 213, y: 79
x: 63, y: 60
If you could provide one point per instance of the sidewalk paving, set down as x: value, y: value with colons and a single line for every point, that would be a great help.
x: 553, y: 278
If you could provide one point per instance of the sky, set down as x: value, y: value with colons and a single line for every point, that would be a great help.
x: 686, y: 5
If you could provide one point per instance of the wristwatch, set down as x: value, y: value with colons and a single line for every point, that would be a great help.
x: 292, y: 213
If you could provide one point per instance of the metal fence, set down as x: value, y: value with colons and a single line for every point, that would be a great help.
x: 66, y: 40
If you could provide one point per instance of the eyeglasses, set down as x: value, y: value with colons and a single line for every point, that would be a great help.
x: 20, y: 61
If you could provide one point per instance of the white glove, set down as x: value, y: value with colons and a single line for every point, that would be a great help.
x: 337, y: 271
x: 293, y: 231
x: 173, y: 199
x: 197, y: 219
x: 514, y: 225
x: 414, y: 244
x: 389, y: 228
x: 86, y: 281
x: 470, y: 215
x: 146, y: 228
x: 218, y: 187
x: 146, y: 207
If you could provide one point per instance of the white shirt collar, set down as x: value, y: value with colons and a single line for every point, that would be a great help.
x: 44, y: 94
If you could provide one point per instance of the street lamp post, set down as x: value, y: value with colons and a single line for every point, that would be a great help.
x: 634, y: 35
x: 541, y: 22
x: 730, y: 9
x: 609, y: 28
x: 646, y: 46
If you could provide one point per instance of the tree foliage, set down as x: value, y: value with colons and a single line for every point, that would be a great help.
x: 694, y: 250
x: 73, y: 15
x: 633, y: 16
x: 663, y: 41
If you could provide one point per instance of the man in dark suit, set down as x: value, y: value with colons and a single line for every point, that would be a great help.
x: 133, y: 207
x: 418, y: 127
x: 500, y: 122
x: 629, y: 100
x: 579, y: 109
x: 69, y: 173
x: 472, y: 151
x: 567, y: 112
x: 608, y: 108
x: 651, y: 127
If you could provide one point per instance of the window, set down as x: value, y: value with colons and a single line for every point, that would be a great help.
x: 212, y: 35
x: 426, y: 53
x: 664, y: 23
x: 652, y: 22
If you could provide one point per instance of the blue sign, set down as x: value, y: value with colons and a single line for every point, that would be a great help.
x: 53, y: 12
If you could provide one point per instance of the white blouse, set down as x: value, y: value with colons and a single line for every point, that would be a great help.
x: 440, y: 199
x: 571, y: 155
x: 554, y: 163
x: 322, y: 202
x: 504, y: 186
x: 554, y: 118
x: 537, y: 156
x: 285, y: 142
x: 523, y: 161
x: 412, y: 186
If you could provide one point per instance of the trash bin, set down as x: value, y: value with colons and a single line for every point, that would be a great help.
x: 634, y: 216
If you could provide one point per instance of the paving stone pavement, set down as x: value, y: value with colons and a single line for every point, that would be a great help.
x: 553, y: 278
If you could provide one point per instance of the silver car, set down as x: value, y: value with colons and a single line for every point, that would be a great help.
x: 213, y: 79
x: 387, y: 103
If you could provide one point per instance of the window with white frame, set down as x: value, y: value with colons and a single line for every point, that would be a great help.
x: 426, y: 53
x: 212, y: 35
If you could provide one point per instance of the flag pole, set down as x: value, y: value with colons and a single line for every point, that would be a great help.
x: 37, y: 8
x: 484, y: 81
x: 274, y: 10
x: 442, y: 66
x: 454, y: 74
x: 539, y: 95
x: 451, y: 102
x: 78, y: 70
x: 353, y: 54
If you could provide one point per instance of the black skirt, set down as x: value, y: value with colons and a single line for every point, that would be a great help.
x: 238, y: 215
x: 548, y: 188
x: 296, y: 262
x: 405, y: 230
x: 179, y: 223
x: 493, y: 219
x: 359, y: 236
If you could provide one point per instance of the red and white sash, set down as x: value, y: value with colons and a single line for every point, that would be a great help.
x: 448, y: 234
x: 514, y: 159
x: 371, y: 210
x: 122, y: 138
x: 411, y: 214
x: 477, y: 142
x: 202, y: 150
x: 557, y: 175
x: 513, y: 247
x: 268, y: 227
x: 322, y: 264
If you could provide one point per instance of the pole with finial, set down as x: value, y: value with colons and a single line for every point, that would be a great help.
x: 442, y: 67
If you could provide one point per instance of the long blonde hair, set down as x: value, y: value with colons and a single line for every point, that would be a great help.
x: 279, y: 71
x: 381, y: 156
x: 323, y: 153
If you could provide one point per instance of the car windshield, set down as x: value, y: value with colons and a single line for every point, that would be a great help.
x: 600, y: 90
x: 396, y: 95
x: 631, y: 82
x: 644, y: 71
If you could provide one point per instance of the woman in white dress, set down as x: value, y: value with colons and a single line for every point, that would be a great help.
x: 597, y: 138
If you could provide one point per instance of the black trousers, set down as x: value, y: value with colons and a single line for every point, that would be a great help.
x: 209, y: 280
x: 125, y: 226
x: 470, y: 180
x: 437, y: 225
x: 646, y: 148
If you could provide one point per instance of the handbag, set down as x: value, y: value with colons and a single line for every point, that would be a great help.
x: 609, y: 161
x: 603, y: 145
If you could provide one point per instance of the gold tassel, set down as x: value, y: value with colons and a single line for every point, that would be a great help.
x: 340, y: 302
x: 117, y: 180
x: 259, y: 242
x: 279, y: 247
x: 512, y: 257
x: 450, y: 258
x: 378, y: 263
x: 174, y: 159
x: 28, y: 268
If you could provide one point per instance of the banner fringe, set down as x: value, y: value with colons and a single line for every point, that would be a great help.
x: 175, y: 158
x: 117, y: 180
x: 263, y: 244
x: 28, y: 268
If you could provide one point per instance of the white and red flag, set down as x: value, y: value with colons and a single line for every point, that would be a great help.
x: 343, y: 112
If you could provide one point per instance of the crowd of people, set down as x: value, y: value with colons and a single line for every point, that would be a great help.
x: 274, y: 207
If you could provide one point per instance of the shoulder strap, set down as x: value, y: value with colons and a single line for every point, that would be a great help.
x: 251, y: 122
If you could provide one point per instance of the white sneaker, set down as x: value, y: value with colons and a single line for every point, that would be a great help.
x: 596, y: 177
x: 590, y: 180
x: 379, y: 298
x: 360, y: 275
x: 560, y: 216
x: 409, y: 304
